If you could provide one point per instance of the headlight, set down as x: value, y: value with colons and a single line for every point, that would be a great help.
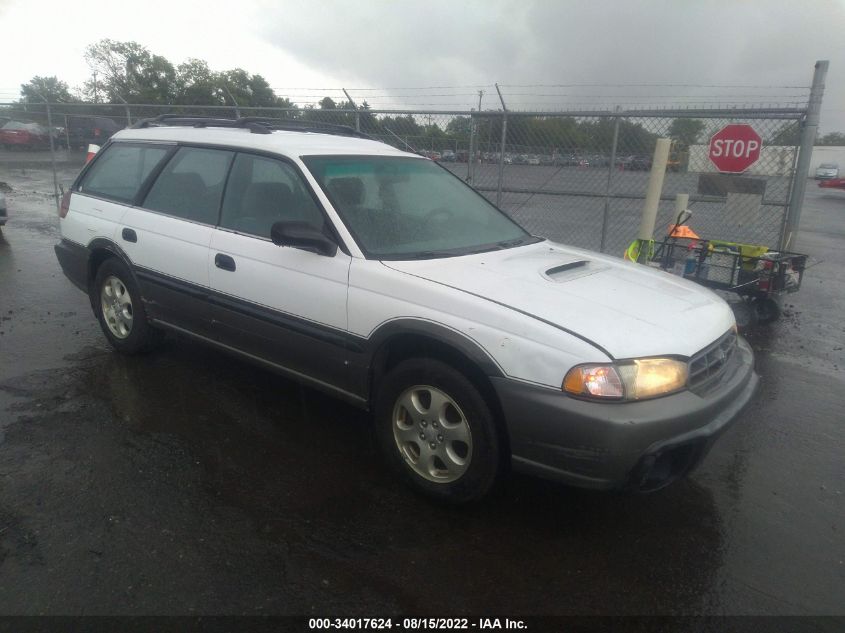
x: 627, y: 380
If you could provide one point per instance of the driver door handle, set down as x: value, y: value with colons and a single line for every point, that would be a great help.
x: 224, y: 262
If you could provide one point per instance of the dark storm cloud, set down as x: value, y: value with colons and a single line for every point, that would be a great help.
x: 437, y: 42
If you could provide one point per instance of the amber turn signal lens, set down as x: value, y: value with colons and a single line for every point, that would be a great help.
x: 594, y: 381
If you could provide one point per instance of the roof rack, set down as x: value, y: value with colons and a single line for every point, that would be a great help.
x: 256, y: 125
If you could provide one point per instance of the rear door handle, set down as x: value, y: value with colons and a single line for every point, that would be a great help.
x: 224, y: 262
x: 129, y: 235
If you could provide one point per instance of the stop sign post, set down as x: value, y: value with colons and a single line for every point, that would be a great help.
x: 734, y: 148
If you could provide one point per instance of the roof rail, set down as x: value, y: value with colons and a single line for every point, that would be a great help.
x: 257, y: 125
x: 200, y: 121
x: 297, y: 125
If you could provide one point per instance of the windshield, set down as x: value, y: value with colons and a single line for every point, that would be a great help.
x: 827, y: 166
x: 409, y: 208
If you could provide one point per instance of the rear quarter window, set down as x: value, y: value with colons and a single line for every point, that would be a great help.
x: 121, y: 170
x: 191, y: 184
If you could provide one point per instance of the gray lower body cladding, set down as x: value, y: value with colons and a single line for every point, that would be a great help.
x: 637, y: 445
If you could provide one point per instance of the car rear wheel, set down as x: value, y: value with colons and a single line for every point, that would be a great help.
x: 117, y: 303
x: 436, y: 430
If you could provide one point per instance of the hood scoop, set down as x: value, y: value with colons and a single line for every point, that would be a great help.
x: 554, y: 270
x: 567, y: 271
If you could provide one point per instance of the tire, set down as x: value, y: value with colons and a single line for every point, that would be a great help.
x: 119, y: 309
x: 465, y: 461
x: 767, y: 310
x: 745, y: 314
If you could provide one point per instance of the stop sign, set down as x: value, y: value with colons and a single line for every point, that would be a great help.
x: 735, y: 147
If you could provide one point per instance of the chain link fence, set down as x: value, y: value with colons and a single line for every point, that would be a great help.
x: 575, y: 177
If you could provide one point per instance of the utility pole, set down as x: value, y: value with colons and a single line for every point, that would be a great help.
x: 96, y: 99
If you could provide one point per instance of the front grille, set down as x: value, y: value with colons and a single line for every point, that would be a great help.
x: 710, y: 362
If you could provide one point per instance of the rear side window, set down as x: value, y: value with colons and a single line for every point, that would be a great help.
x: 191, y: 185
x: 263, y: 191
x: 121, y: 170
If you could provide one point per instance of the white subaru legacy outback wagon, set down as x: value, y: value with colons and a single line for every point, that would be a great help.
x: 379, y: 277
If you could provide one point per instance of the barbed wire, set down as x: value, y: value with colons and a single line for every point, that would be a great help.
x: 651, y: 85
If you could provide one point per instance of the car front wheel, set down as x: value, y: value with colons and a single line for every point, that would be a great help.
x: 437, y: 431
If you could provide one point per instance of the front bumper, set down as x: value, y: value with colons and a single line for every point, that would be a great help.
x: 636, y: 445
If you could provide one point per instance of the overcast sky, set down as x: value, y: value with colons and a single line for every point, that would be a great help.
x: 438, y: 53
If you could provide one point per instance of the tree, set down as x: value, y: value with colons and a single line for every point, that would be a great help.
x: 786, y: 134
x: 685, y: 132
x: 369, y: 122
x: 832, y: 138
x: 127, y: 70
x: 401, y: 125
x: 197, y: 84
x: 459, y: 127
x: 248, y: 90
x: 635, y: 139
x: 49, y: 88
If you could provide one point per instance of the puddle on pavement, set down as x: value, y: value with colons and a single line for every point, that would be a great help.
x: 303, y: 468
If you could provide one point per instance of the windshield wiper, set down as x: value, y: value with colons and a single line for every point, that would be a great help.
x: 422, y: 255
x: 511, y: 243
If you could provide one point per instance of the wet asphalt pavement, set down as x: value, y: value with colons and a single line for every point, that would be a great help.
x: 186, y: 482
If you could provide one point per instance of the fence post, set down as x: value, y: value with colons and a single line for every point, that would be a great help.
x: 126, y: 106
x: 52, y: 153
x: 610, y: 169
x: 502, y: 149
x: 809, y: 127
x: 67, y: 135
x: 357, y: 113
x: 235, y: 101
x: 470, y: 156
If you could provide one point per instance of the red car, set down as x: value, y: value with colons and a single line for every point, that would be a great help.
x: 24, y: 135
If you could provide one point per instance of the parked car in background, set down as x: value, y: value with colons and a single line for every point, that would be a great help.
x: 448, y: 156
x: 827, y: 170
x: 568, y: 160
x: 636, y: 162
x: 23, y: 135
x: 85, y: 130
x: 532, y: 160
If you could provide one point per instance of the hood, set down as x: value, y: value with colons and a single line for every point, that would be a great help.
x: 627, y: 309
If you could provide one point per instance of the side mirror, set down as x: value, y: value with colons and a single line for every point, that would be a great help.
x: 304, y: 236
